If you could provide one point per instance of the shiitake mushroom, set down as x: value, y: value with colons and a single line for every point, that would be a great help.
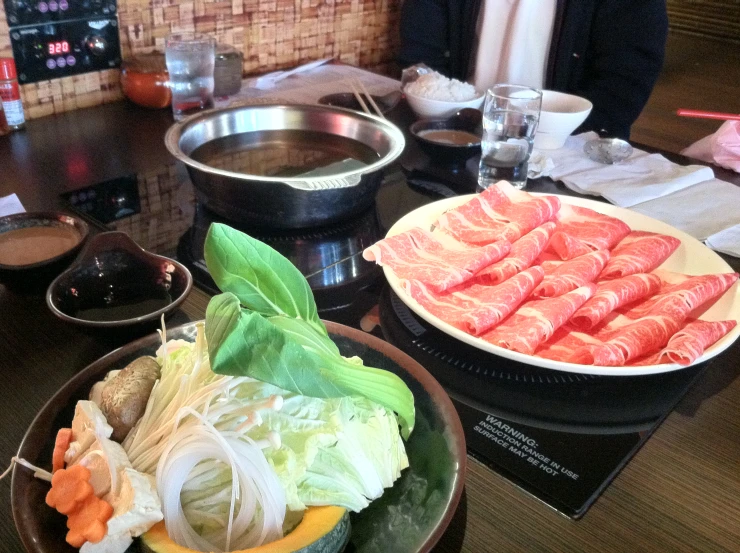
x: 123, y: 398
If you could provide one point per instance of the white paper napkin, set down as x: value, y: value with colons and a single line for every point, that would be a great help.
x: 9, y: 205
x: 726, y: 241
x: 266, y: 82
x: 570, y: 159
x: 700, y: 210
x: 640, y: 178
x: 539, y: 165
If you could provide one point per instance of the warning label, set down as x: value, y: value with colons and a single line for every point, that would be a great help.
x: 519, y: 444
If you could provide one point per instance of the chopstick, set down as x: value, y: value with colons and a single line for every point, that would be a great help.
x: 699, y: 114
x: 358, y: 96
x: 356, y: 84
x: 370, y: 99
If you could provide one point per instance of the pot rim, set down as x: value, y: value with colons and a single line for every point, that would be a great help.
x: 339, y: 180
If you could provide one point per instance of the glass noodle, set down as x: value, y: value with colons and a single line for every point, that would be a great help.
x: 217, y: 489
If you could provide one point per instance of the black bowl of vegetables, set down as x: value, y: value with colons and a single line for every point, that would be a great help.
x: 264, y: 391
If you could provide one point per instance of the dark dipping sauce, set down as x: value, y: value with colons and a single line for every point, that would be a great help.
x: 124, y: 305
x: 116, y: 287
x: 26, y: 246
x: 285, y: 153
x: 452, y: 137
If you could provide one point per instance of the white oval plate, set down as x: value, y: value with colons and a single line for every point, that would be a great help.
x: 692, y: 257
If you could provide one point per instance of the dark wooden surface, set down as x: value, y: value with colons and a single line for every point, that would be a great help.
x: 698, y: 73
x: 680, y: 493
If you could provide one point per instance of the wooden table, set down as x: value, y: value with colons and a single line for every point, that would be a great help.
x: 679, y: 493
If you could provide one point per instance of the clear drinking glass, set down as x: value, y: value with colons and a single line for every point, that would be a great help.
x: 190, y: 61
x: 510, y: 117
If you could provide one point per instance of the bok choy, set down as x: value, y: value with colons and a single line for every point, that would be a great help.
x: 265, y: 325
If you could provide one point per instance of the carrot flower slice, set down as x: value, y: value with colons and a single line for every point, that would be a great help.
x: 89, y: 521
x: 69, y: 488
x: 64, y: 437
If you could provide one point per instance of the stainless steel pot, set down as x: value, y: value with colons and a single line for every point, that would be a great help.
x: 283, y: 202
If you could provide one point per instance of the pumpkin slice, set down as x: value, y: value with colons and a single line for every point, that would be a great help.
x: 322, y: 529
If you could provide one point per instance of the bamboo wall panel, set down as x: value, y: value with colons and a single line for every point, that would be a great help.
x: 711, y: 18
x: 273, y: 34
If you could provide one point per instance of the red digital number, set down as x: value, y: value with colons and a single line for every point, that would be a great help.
x: 58, y: 47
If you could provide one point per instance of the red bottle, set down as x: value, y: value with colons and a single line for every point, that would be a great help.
x: 3, y: 123
x: 10, y: 95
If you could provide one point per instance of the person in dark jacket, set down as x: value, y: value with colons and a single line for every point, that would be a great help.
x: 609, y: 51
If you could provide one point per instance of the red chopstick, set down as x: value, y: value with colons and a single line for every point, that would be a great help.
x: 699, y: 114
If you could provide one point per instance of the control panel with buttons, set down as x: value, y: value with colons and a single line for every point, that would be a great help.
x: 53, y: 50
x: 59, y: 38
x: 33, y: 12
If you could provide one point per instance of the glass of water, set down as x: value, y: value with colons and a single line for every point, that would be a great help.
x: 510, y: 117
x: 190, y: 61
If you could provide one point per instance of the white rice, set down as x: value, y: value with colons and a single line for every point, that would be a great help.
x: 438, y: 87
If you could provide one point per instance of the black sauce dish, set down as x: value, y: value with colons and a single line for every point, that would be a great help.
x: 115, y: 285
x: 34, y: 277
x: 454, y: 156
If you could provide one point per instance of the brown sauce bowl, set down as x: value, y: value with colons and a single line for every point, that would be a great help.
x: 34, y: 277
x: 452, y: 156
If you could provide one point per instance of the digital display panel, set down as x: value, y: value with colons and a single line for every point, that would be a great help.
x: 57, y: 47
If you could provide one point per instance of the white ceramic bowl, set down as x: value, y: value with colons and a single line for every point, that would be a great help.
x: 437, y: 109
x: 561, y: 114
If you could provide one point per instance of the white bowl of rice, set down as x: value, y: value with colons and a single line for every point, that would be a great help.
x: 434, y: 96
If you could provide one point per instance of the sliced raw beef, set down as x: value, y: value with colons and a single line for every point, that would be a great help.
x: 568, y: 339
x: 523, y: 252
x: 497, y: 302
x: 611, y: 295
x: 647, y: 327
x: 564, y: 342
x: 621, y: 340
x: 639, y: 252
x: 488, y: 217
x: 536, y: 321
x: 688, y: 344
x: 634, y: 335
x: 581, y: 230
x: 417, y: 254
x: 471, y: 220
x: 629, y: 342
x: 446, y: 306
x: 473, y: 307
x: 680, y: 299
x: 569, y: 275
